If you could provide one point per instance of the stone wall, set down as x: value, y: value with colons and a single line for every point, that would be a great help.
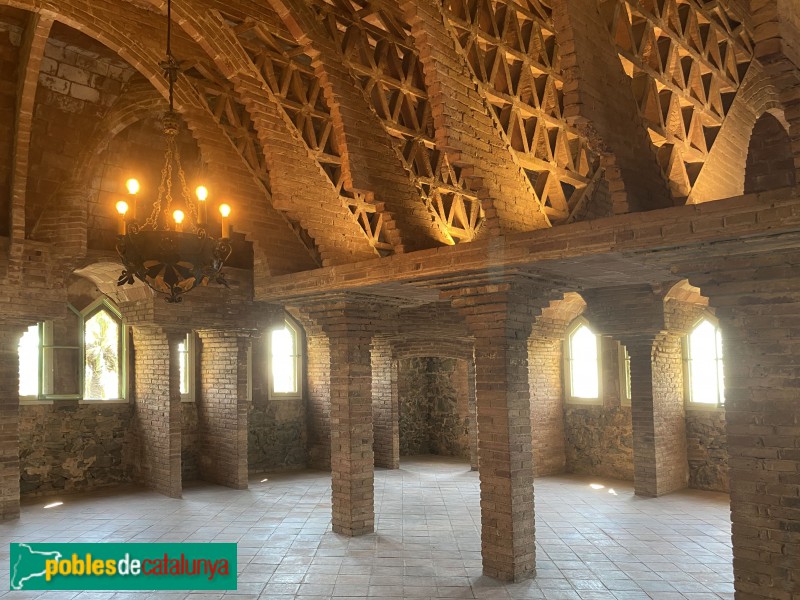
x: 707, y: 450
x: 71, y: 447
x: 276, y: 437
x: 434, y: 414
x: 599, y: 438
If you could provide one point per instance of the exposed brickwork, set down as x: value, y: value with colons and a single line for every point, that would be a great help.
x: 222, y: 408
x: 464, y: 126
x: 349, y: 327
x: 157, y: 410
x: 770, y: 162
x: 500, y: 317
x: 635, y: 316
x: 318, y: 360
x: 190, y: 451
x: 592, y: 83
x: 385, y: 405
x: 9, y: 421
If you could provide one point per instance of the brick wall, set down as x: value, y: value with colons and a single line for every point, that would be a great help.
x: 67, y: 447
x: 9, y: 422
x: 157, y: 412
x: 190, y: 446
x: 222, y: 408
x: 10, y: 39
x: 385, y: 405
x: 318, y: 360
x: 770, y: 162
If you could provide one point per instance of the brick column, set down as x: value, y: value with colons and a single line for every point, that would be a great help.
x: 9, y: 421
x: 157, y: 411
x: 385, y: 406
x: 500, y: 317
x: 222, y: 407
x: 349, y: 330
x: 473, y: 415
x: 635, y: 316
x: 757, y: 301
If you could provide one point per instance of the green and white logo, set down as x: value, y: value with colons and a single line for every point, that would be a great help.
x: 123, y: 567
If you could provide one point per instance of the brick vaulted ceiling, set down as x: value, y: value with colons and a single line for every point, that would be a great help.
x: 346, y: 129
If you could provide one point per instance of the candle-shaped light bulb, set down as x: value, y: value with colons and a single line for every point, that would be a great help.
x: 133, y: 189
x: 122, y: 208
x: 225, y: 212
x: 202, y: 195
x: 178, y: 216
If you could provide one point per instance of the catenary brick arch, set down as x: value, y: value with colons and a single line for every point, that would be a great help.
x: 129, y: 43
x: 770, y: 157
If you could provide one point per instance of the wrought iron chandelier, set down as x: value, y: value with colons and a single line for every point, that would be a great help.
x: 171, y: 251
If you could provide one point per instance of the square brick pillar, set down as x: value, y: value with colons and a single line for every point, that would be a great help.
x: 385, y: 406
x: 634, y: 315
x: 349, y: 329
x: 472, y: 425
x: 222, y: 405
x: 757, y: 302
x: 157, y: 410
x: 9, y: 421
x: 501, y: 317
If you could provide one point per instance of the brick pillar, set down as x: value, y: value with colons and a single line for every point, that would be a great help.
x: 757, y: 301
x: 222, y: 407
x: 349, y: 330
x: 385, y: 406
x: 157, y: 411
x: 635, y: 316
x: 500, y: 317
x: 318, y: 362
x: 9, y: 421
x: 472, y: 425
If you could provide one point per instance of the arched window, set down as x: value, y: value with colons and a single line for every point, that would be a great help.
x: 77, y: 357
x: 29, y: 358
x: 284, y: 361
x: 583, y: 364
x: 704, y: 364
x: 186, y: 365
x: 102, y: 352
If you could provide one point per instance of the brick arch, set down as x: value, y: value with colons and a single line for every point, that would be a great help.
x: 723, y: 175
x: 282, y: 251
x: 135, y: 104
x: 683, y: 291
x: 299, y: 185
x: 770, y: 156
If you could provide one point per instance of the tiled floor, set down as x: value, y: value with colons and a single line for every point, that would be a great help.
x: 593, y: 542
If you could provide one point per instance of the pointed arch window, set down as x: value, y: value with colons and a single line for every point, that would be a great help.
x: 705, y: 381
x: 285, y: 361
x: 80, y: 357
x: 582, y: 364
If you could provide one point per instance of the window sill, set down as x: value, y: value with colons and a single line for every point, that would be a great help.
x: 95, y: 401
x: 285, y: 397
x: 26, y: 401
x: 584, y: 402
x: 697, y: 407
